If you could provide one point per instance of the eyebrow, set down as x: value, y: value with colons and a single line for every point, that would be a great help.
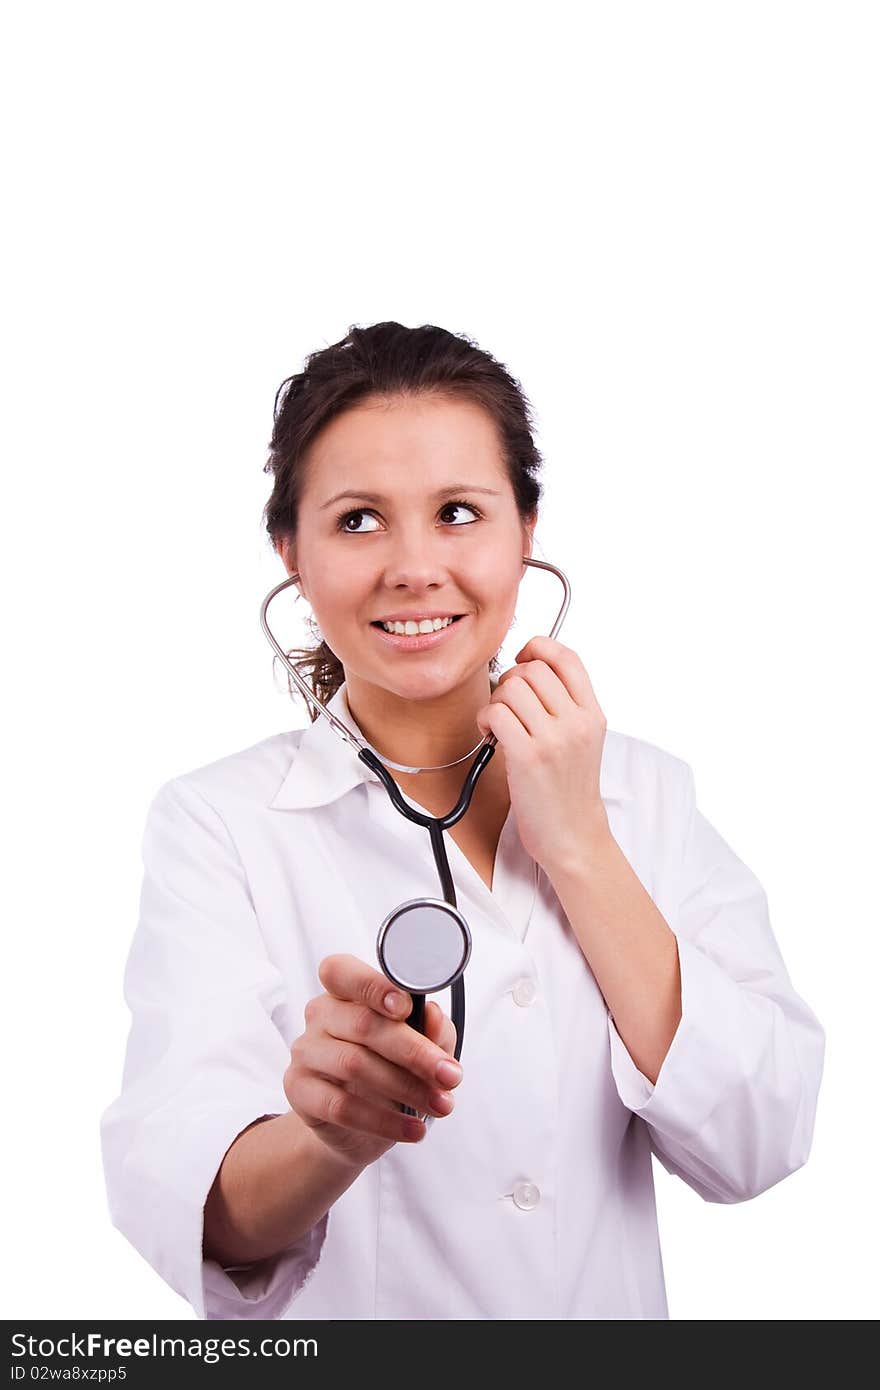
x: 450, y: 491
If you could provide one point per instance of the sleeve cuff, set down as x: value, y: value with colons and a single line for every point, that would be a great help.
x: 163, y: 1216
x: 264, y: 1290
x: 720, y: 1026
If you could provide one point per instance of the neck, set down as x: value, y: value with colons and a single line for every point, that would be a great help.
x: 425, y: 733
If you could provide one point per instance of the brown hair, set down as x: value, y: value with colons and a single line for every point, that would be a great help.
x: 391, y: 360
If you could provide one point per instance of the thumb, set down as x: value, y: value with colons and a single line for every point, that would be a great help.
x: 439, y: 1027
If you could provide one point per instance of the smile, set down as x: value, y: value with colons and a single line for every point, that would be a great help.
x: 416, y: 637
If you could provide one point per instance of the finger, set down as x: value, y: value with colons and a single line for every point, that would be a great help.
x: 346, y: 977
x: 440, y: 1028
x: 365, y: 1073
x: 396, y: 1042
x: 568, y: 667
x: 358, y: 1089
x: 522, y: 699
x: 545, y: 683
x: 319, y: 1102
x: 501, y: 721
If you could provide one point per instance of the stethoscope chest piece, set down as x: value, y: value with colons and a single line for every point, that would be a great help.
x: 424, y: 945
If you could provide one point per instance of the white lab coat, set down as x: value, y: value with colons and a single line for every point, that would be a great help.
x: 534, y: 1199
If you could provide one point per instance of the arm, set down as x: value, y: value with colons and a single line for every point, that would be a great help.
x: 631, y: 949
x: 205, y: 1059
x: 730, y: 1102
x: 275, y: 1183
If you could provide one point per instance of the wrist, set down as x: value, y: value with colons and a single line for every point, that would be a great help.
x: 311, y: 1146
x: 585, y: 852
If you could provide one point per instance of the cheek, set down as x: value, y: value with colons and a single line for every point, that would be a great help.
x: 493, y: 577
x: 332, y: 611
x: 502, y: 589
x: 499, y: 609
x: 337, y: 595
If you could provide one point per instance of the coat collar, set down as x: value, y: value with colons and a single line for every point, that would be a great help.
x: 324, y: 767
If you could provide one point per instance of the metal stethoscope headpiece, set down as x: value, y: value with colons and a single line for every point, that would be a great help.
x: 423, y: 944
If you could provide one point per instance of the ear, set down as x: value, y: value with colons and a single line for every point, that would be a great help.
x: 528, y: 533
x: 287, y: 552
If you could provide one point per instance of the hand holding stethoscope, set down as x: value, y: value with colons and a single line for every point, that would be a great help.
x: 355, y: 1065
x: 546, y: 715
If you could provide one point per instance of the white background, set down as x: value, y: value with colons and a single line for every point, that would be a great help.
x: 663, y: 218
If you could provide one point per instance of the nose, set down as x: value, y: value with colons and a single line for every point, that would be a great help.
x: 415, y: 562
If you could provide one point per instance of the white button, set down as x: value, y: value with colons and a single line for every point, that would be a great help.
x: 525, y: 991
x: 526, y: 1196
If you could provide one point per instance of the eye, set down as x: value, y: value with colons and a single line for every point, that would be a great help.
x: 457, y: 506
x: 343, y: 519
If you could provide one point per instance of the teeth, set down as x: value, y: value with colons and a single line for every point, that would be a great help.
x: 412, y: 629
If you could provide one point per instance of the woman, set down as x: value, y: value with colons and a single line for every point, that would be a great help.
x: 626, y: 995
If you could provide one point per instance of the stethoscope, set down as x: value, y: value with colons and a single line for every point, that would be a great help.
x: 423, y: 944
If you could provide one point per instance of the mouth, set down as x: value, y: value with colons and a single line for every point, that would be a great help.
x: 419, y: 641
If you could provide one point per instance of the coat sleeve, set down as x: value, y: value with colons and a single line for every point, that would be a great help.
x: 204, y: 1060
x: 734, y: 1105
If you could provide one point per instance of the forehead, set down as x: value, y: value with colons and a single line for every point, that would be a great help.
x: 412, y: 440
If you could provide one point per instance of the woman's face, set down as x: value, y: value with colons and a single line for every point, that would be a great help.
x: 407, y: 509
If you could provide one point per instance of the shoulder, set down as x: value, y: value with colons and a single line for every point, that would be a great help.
x: 643, y: 771
x: 251, y: 774
x: 649, y: 800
